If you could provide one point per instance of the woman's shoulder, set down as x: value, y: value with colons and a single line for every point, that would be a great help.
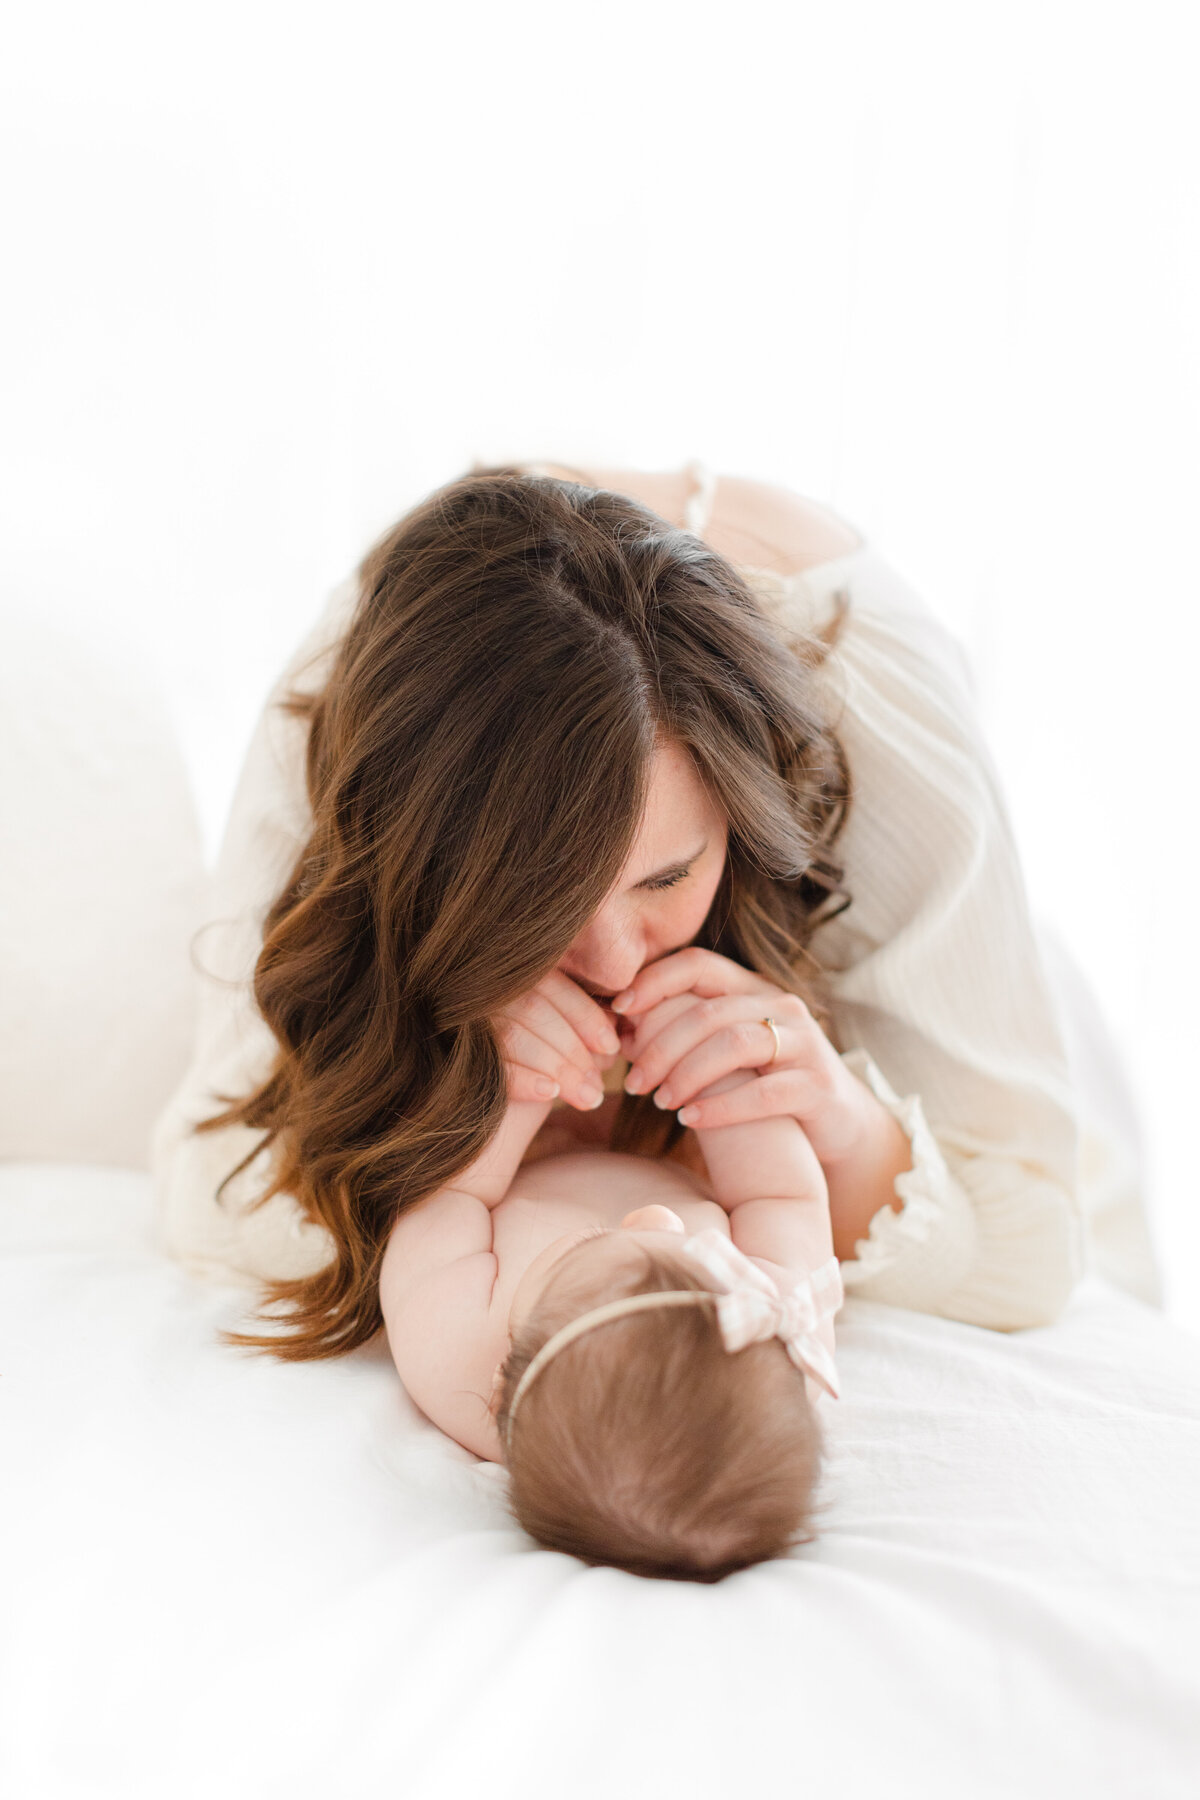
x: 768, y: 526
x: 757, y: 524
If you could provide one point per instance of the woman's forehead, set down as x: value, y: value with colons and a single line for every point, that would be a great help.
x: 678, y: 805
x: 675, y: 777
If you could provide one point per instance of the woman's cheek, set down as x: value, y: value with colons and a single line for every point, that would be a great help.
x: 692, y: 918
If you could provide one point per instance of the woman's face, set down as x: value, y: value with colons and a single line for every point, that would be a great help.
x: 664, y: 892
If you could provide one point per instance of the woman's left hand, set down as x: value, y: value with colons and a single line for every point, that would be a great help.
x: 678, y: 1050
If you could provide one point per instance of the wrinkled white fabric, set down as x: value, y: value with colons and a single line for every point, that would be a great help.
x: 940, y: 991
x: 228, y: 1576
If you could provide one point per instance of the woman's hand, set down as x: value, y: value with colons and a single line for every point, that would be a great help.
x: 679, y: 1050
x: 555, y: 1038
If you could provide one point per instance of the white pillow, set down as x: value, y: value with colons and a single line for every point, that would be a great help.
x: 102, y: 884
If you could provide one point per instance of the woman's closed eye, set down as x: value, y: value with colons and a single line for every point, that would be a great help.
x: 668, y: 881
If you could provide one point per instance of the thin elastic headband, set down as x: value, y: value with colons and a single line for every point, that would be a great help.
x: 599, y: 1315
x: 749, y: 1308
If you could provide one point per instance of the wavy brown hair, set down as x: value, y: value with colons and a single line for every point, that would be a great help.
x: 648, y: 1446
x: 477, y: 768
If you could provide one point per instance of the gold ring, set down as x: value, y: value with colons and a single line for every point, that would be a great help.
x: 775, y: 1034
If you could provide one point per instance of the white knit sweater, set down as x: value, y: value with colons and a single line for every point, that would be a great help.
x: 942, y: 1000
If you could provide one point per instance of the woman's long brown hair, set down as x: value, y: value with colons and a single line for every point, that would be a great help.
x: 477, y: 768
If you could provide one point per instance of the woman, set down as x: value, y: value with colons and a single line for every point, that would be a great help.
x: 427, y: 900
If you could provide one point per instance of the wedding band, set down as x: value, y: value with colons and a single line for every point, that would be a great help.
x: 775, y: 1035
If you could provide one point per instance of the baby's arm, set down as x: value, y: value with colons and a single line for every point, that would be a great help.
x: 492, y: 1173
x: 766, y: 1175
x: 436, y: 1285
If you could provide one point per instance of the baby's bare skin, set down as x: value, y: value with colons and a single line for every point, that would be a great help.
x: 556, y: 1198
x: 463, y: 1268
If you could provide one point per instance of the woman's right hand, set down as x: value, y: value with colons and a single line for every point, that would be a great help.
x: 556, y: 1034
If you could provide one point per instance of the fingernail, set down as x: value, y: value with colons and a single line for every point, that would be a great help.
x: 545, y: 1088
x: 635, y: 1082
x: 622, y: 1000
x: 610, y: 1042
x: 687, y: 1115
x: 591, y: 1097
x: 660, y: 1099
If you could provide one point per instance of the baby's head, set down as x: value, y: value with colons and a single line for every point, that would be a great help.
x: 643, y: 1442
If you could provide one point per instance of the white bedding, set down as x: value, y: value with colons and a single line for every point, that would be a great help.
x: 228, y: 1577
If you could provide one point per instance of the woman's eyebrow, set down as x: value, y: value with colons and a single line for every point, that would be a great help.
x: 673, y: 868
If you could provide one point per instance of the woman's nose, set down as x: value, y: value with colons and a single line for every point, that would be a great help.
x: 653, y: 1218
x: 604, y: 960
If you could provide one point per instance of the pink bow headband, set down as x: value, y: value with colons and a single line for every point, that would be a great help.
x: 749, y: 1308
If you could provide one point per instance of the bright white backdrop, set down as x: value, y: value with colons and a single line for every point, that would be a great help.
x: 275, y: 271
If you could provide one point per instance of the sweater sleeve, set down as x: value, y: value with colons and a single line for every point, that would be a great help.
x: 234, y: 1051
x: 942, y: 1005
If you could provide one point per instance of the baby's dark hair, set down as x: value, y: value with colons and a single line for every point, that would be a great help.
x: 646, y: 1445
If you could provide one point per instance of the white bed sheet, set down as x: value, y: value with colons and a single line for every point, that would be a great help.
x: 229, y: 1577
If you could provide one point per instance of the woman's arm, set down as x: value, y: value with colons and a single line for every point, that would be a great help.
x: 942, y: 1004
x: 235, y: 1050
x: 863, y: 1182
x: 750, y: 522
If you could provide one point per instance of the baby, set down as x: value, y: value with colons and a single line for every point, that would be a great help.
x: 675, y: 1432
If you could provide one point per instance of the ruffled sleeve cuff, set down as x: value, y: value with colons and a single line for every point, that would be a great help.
x: 982, y: 1238
x: 920, y: 1255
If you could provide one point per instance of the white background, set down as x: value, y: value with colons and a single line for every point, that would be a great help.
x: 275, y: 271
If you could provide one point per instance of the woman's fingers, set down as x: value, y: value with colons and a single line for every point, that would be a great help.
x: 685, y: 1042
x: 788, y: 1093
x: 682, y: 1052
x: 543, y: 1049
x: 700, y: 972
x: 537, y: 1066
x: 526, y: 1084
x: 776, y: 1093
x: 649, y: 1064
x: 785, y: 1094
x: 586, y: 1017
x: 748, y: 1044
